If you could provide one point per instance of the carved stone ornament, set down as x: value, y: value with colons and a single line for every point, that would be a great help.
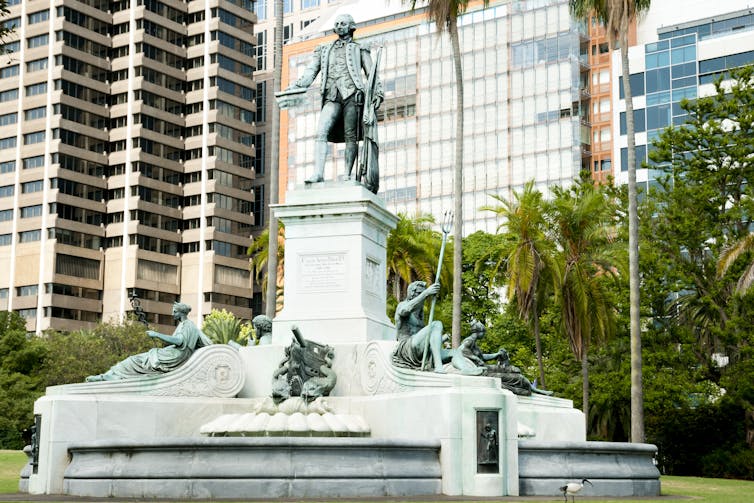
x: 214, y: 371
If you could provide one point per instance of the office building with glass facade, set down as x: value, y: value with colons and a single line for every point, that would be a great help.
x: 127, y: 159
x: 681, y: 48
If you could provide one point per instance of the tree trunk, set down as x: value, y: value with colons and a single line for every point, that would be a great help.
x: 538, y: 342
x: 637, y: 397
x: 585, y: 384
x: 457, y: 186
x: 272, y: 257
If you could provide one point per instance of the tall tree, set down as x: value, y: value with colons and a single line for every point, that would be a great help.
x: 709, y: 165
x: 617, y: 16
x: 588, y: 258
x: 272, y: 262
x: 444, y: 13
x: 524, y: 254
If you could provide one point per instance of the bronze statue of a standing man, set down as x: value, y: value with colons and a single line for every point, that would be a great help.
x: 343, y: 90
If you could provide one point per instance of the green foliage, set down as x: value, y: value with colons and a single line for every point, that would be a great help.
x: 259, y: 253
x: 5, y: 31
x: 72, y: 356
x: 222, y: 327
x: 28, y: 364
x: 21, y: 357
x: 413, y: 250
x: 709, y: 167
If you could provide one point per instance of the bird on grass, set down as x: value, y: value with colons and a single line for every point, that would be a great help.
x: 572, y: 488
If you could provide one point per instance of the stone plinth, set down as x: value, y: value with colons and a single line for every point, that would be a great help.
x: 257, y: 468
x: 616, y: 469
x: 335, y: 241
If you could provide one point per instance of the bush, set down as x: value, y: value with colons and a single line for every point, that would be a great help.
x: 693, y: 441
x: 722, y: 463
x: 71, y: 357
x: 21, y: 358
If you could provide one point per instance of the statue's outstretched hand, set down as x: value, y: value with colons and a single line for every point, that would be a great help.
x: 433, y: 289
x: 152, y: 333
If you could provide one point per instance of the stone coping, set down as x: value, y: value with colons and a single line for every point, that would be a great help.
x: 252, y: 442
x: 595, y: 446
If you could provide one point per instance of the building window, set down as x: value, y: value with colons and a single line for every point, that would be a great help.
x: 10, y: 71
x: 7, y: 190
x: 28, y: 313
x: 10, y: 95
x: 287, y: 6
x: 32, y: 138
x: 26, y: 290
x: 259, y: 206
x: 39, y: 17
x: 260, y: 50
x: 34, y: 162
x: 8, y: 119
x: 259, y: 148
x: 639, y: 121
x: 6, y: 143
x: 7, y: 167
x: 308, y: 4
x: 36, y: 65
x: 35, y: 113
x: 35, y: 186
x: 76, y: 266
x: 29, y: 236
x: 261, y: 100
x: 5, y: 240
x: 36, y: 89
x: 31, y: 211
x: 38, y: 41
x: 260, y: 9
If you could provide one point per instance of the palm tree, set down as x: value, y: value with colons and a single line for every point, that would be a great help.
x: 617, y: 16
x: 732, y: 253
x: 260, y: 252
x: 277, y: 56
x: 444, y: 13
x: 524, y: 254
x: 412, y: 251
x: 587, y: 258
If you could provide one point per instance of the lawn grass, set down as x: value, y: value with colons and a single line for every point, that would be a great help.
x: 696, y: 489
x: 709, y: 490
x: 11, y: 463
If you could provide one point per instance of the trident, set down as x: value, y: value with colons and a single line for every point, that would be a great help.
x: 447, y: 224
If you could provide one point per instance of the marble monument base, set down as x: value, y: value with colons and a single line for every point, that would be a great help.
x: 335, y: 241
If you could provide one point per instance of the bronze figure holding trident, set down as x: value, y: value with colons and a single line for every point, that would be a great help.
x: 414, y: 337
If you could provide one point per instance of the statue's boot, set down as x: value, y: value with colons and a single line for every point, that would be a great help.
x: 352, y: 151
x: 320, y: 154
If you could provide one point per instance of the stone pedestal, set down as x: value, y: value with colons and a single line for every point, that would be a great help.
x: 335, y: 240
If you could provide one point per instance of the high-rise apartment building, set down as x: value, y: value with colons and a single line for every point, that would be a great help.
x: 127, y: 159
x: 682, y: 46
x: 527, y: 103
